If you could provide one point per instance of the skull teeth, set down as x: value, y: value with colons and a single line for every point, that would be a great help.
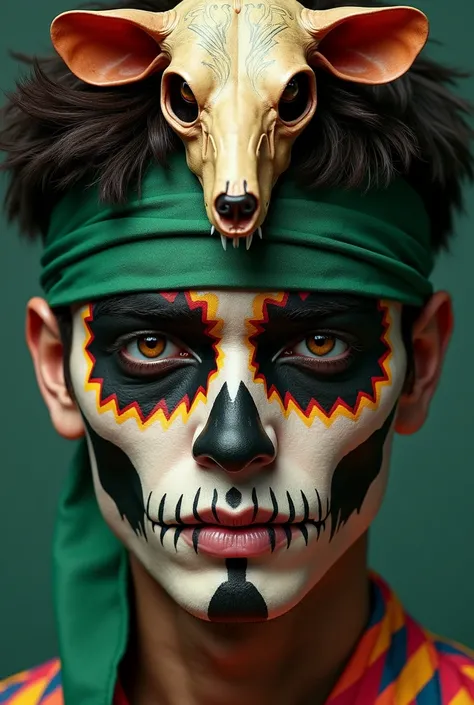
x: 236, y: 240
x: 213, y: 230
x: 260, y: 234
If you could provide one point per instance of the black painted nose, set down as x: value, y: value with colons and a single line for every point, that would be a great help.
x: 236, y: 208
x: 233, y: 437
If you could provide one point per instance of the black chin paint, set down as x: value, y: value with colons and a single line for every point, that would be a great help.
x: 237, y: 599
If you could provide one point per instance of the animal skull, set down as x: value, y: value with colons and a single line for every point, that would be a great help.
x: 238, y: 83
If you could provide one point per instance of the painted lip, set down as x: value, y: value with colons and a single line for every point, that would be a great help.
x: 239, y: 542
x: 245, y: 542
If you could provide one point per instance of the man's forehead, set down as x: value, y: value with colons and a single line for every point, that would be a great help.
x: 237, y: 304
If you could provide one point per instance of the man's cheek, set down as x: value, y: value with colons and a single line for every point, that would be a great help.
x: 340, y: 463
x: 119, y: 479
x: 355, y: 473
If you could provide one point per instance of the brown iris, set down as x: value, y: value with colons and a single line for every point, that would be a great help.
x: 151, y: 346
x: 291, y: 91
x: 320, y: 345
x: 186, y: 93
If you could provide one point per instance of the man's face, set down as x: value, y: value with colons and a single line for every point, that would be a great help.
x: 239, y: 441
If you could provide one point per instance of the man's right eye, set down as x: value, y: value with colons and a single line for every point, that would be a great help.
x: 151, y: 347
x: 152, y: 352
x: 321, y: 345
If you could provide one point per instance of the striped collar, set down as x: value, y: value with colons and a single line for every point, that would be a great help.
x: 396, y: 662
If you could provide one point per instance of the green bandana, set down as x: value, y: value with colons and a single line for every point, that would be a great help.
x: 375, y: 244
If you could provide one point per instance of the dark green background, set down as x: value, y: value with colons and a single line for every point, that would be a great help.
x: 423, y: 538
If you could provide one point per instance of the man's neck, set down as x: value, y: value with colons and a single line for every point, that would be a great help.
x: 176, y: 659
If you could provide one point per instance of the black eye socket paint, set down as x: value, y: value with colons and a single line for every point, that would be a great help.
x: 305, y: 387
x: 181, y: 315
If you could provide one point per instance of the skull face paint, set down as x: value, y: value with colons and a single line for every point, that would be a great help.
x: 239, y: 442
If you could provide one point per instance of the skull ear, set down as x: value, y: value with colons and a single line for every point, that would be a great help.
x: 366, y: 45
x: 112, y: 47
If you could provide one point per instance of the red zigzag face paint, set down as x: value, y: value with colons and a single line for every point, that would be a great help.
x: 239, y: 441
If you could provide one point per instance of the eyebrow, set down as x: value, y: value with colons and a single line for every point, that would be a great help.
x: 151, y: 305
x: 144, y: 306
x: 325, y: 307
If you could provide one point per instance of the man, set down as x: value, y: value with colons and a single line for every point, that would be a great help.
x: 238, y: 406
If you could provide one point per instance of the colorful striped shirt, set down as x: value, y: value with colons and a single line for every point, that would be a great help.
x: 396, y: 662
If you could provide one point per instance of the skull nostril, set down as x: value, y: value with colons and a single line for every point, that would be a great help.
x: 223, y: 207
x: 248, y: 207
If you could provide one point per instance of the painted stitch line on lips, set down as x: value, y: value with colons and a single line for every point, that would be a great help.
x: 251, y: 532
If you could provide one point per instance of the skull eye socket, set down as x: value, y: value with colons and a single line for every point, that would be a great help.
x: 181, y: 99
x: 295, y: 99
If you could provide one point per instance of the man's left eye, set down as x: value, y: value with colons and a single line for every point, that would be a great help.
x: 151, y: 347
x: 321, y: 345
x: 319, y: 348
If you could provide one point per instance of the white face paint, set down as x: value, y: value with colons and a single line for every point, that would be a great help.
x: 239, y: 441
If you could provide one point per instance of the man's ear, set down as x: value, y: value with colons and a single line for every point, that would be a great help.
x: 430, y: 337
x: 44, y: 342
